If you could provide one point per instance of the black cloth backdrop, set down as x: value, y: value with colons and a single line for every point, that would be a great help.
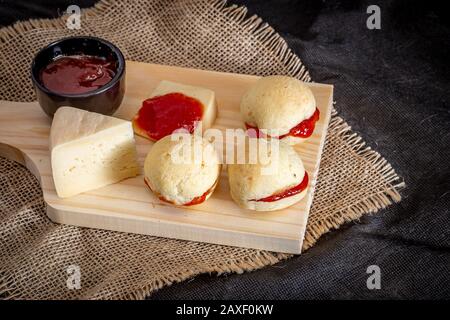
x: 392, y: 85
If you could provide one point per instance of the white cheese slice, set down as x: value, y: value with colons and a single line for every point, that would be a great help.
x: 205, y: 96
x: 90, y: 150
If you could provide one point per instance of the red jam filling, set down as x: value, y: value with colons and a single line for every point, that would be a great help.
x: 162, y: 115
x: 286, y: 193
x: 303, y: 130
x: 196, y: 200
x: 77, y: 74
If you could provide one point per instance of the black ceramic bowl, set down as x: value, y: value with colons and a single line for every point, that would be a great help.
x: 105, y: 100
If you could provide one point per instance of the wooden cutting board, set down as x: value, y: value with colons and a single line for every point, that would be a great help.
x: 129, y: 206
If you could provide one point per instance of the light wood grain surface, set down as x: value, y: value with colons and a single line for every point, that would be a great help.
x: 129, y: 206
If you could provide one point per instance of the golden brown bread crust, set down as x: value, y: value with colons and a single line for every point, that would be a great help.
x: 278, y: 102
x: 247, y: 181
x: 179, y: 183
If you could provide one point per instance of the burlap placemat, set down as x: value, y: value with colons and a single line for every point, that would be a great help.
x: 35, y: 253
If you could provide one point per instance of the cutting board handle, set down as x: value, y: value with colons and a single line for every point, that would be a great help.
x: 12, y: 153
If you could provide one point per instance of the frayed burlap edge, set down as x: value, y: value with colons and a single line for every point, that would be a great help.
x: 370, y: 204
x: 7, y: 291
x: 367, y: 205
x: 9, y: 32
x: 255, y: 262
x: 277, y: 45
x: 237, y: 14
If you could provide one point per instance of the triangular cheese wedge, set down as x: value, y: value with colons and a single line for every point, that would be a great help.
x: 90, y: 150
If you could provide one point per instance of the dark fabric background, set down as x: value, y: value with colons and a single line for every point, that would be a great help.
x: 392, y: 85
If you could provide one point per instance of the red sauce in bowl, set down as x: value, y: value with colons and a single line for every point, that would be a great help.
x: 287, y: 193
x: 303, y: 130
x: 162, y: 115
x: 77, y: 74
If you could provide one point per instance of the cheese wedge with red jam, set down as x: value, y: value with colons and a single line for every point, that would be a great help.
x: 172, y: 105
x: 90, y: 150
